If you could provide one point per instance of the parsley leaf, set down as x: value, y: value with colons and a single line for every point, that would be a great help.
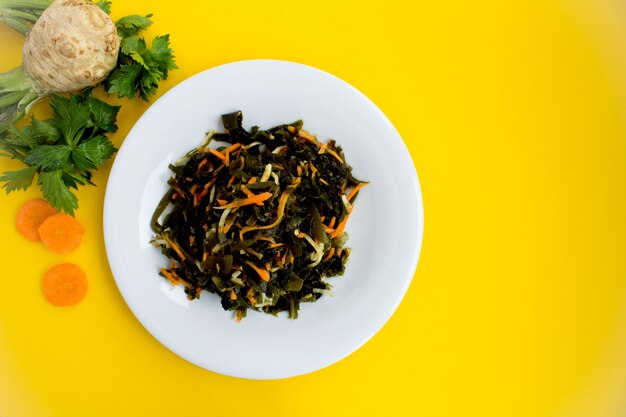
x: 103, y: 115
x: 133, y: 24
x: 57, y: 192
x: 48, y: 156
x: 105, y: 6
x: 91, y: 153
x: 123, y: 80
x: 140, y: 68
x: 70, y: 115
x: 46, y: 130
x: 18, y: 180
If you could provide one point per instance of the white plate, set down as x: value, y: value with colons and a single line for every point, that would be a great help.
x: 385, y: 228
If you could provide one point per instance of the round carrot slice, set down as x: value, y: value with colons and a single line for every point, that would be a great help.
x: 61, y: 233
x: 30, y: 216
x: 64, y: 285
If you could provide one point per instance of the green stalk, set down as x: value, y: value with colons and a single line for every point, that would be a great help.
x: 17, y: 94
x: 21, y: 14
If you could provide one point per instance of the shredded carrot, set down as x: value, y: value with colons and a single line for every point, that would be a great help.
x: 356, y: 190
x: 218, y: 154
x: 31, y: 216
x: 61, y: 233
x: 238, y: 316
x: 171, y: 276
x: 200, y: 196
x: 268, y: 266
x: 275, y: 245
x: 267, y: 238
x: 232, y: 148
x: 64, y: 285
x: 291, y: 129
x: 246, y: 201
x: 221, y: 201
x: 323, y: 181
x: 340, y: 227
x: 299, y: 170
x: 247, y: 192
x: 282, y: 202
x: 330, y: 254
x: 263, y: 274
x: 335, y: 155
x: 174, y: 196
x: 313, y: 169
x: 231, y: 181
x: 233, y: 295
x: 332, y: 222
x: 252, y: 180
x: 306, y: 135
x: 202, y: 164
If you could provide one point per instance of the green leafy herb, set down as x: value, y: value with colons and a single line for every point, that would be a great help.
x: 63, y: 149
x: 105, y: 6
x: 260, y: 221
x: 140, y: 68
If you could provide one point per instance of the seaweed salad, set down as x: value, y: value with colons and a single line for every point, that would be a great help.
x: 260, y: 220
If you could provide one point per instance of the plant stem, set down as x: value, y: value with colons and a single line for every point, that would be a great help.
x: 17, y: 95
x: 21, y: 14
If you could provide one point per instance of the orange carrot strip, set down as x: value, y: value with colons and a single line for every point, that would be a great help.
x: 246, y: 201
x: 61, y: 233
x: 323, y: 181
x: 291, y: 129
x: 330, y: 254
x: 222, y: 202
x: 275, y: 245
x: 210, y: 183
x: 64, y: 285
x: 252, y: 180
x: 340, y: 227
x: 233, y: 295
x: 282, y: 202
x: 232, y: 148
x: 172, y: 277
x: 263, y: 274
x: 355, y: 190
x: 231, y: 181
x: 306, y: 135
x: 218, y: 154
x: 30, y: 217
x: 202, y: 164
x: 247, y: 192
x: 332, y: 222
x: 335, y: 155
x: 299, y: 170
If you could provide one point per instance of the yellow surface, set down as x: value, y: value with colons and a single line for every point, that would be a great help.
x: 515, y: 115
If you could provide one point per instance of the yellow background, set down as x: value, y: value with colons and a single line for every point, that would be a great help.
x: 515, y: 115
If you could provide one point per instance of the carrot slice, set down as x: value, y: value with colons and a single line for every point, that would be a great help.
x: 64, y: 285
x: 30, y: 217
x: 61, y: 233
